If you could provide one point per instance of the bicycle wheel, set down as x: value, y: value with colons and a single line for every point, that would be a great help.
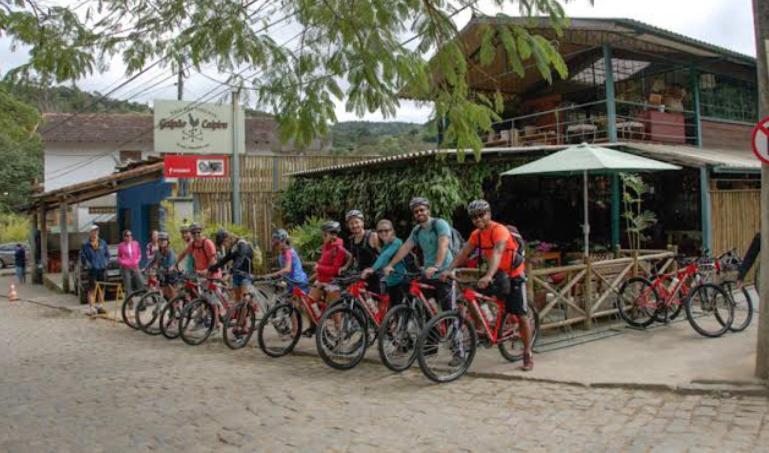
x: 743, y: 305
x: 239, y: 325
x: 342, y: 337
x: 197, y: 322
x: 170, y: 317
x: 637, y: 302
x: 446, y: 347
x: 148, y: 311
x: 510, y: 343
x: 710, y: 310
x: 127, y: 309
x: 397, y: 338
x: 279, y: 330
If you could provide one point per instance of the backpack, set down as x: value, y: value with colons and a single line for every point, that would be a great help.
x: 456, y: 242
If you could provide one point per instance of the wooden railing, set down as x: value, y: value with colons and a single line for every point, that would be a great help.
x: 583, y: 293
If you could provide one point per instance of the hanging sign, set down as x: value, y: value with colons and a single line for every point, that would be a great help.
x: 761, y: 140
x: 189, y: 166
x: 195, y: 128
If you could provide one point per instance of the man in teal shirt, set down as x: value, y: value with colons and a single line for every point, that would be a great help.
x: 432, y: 235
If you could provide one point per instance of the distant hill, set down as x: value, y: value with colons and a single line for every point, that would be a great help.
x: 66, y: 99
x: 367, y: 137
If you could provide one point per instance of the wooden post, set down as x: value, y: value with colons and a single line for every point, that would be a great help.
x: 64, y: 241
x: 43, y: 241
x: 32, y: 246
x: 588, y: 293
x: 635, y: 263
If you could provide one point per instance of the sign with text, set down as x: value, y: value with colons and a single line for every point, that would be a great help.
x: 187, y: 166
x: 191, y: 127
x: 761, y: 140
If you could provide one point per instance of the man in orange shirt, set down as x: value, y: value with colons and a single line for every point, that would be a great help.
x: 202, y: 250
x: 504, y: 276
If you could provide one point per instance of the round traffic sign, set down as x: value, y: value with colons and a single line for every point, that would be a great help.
x: 761, y: 140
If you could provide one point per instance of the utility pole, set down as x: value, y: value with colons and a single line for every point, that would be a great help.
x: 761, y: 23
x: 180, y: 84
x: 235, y: 166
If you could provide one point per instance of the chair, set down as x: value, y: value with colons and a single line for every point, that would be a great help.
x: 626, y: 129
x: 581, y: 131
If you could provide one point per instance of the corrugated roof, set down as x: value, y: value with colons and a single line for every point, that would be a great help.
x: 689, y: 156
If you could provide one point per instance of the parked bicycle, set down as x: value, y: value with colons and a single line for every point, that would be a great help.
x: 241, y: 319
x: 446, y: 346
x: 170, y: 315
x: 200, y: 317
x: 709, y: 310
x: 161, y: 287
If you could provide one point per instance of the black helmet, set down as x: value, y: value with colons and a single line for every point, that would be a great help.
x: 162, y: 236
x: 332, y: 226
x: 478, y: 207
x: 418, y: 201
x: 220, y: 236
x: 184, y: 229
x: 355, y: 213
x: 196, y: 227
x: 280, y: 235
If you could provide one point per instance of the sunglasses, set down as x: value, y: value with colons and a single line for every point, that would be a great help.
x: 420, y: 210
x: 127, y: 235
x: 196, y: 233
x: 477, y: 216
x: 382, y: 231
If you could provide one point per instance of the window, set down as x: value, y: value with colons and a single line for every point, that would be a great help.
x: 135, y: 156
x: 727, y: 98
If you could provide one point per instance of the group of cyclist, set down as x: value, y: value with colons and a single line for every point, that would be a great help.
x: 379, y: 256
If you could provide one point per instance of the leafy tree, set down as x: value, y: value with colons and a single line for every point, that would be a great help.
x: 363, y: 52
x: 20, y: 151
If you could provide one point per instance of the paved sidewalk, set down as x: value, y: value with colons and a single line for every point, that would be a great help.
x: 672, y: 357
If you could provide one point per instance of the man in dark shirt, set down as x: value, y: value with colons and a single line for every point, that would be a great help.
x: 20, y: 256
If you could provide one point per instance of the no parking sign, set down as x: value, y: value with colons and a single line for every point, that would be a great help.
x: 761, y: 140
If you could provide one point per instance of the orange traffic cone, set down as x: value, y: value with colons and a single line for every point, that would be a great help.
x: 12, y: 296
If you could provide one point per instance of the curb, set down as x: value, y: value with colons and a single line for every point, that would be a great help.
x: 42, y: 304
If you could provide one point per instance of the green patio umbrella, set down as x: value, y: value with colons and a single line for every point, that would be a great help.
x: 587, y: 160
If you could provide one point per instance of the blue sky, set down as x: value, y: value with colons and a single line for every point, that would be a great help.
x: 727, y: 23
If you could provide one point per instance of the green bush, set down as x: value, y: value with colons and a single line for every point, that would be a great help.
x: 307, y: 238
x: 14, y: 228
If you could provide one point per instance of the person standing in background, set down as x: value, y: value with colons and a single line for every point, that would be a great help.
x: 20, y: 257
x: 152, y: 246
x: 94, y: 256
x: 128, y: 256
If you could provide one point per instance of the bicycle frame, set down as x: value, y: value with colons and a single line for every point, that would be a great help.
x: 682, y: 287
x: 360, y: 293
x: 304, y: 301
x: 478, y: 317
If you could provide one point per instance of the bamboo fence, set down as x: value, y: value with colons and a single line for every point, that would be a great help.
x: 736, y: 219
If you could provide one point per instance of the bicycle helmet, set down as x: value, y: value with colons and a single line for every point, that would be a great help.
x: 418, y: 201
x: 162, y: 236
x: 355, y: 213
x: 184, y: 229
x: 220, y: 236
x: 196, y: 227
x: 280, y: 235
x: 332, y: 226
x: 478, y: 207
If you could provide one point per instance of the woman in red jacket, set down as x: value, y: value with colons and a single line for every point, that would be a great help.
x: 332, y: 259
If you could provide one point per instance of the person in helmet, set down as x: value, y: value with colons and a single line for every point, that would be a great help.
x: 334, y: 258
x: 363, y: 245
x: 289, y: 261
x: 188, y: 264
x: 503, y: 277
x: 395, y: 286
x: 202, y: 250
x: 163, y: 263
x: 241, y: 254
x: 433, y: 236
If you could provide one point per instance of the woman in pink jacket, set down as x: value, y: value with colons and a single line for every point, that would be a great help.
x: 128, y: 256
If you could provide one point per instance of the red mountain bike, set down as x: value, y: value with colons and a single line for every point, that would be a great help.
x: 447, y: 345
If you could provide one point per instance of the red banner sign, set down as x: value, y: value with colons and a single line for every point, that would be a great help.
x: 188, y: 166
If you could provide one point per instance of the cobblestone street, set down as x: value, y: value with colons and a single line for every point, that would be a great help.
x: 72, y: 384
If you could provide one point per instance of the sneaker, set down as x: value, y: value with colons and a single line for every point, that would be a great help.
x: 528, y: 362
x: 456, y: 361
x: 101, y: 311
x: 91, y: 311
x: 309, y: 332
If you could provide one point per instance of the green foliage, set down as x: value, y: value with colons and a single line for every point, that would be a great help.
x: 20, y: 151
x: 66, y: 99
x: 364, y: 53
x: 637, y: 220
x: 385, y: 192
x: 307, y: 238
x: 14, y: 228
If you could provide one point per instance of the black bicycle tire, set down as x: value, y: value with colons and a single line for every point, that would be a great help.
x: 748, y: 298
x: 620, y: 309
x: 339, y: 309
x: 229, y: 316
x: 186, y: 313
x: 156, y: 318
x: 171, y: 306
x: 423, y: 336
x: 693, y: 321
x: 124, y: 308
x: 265, y: 320
x: 382, y: 335
x: 534, y: 335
